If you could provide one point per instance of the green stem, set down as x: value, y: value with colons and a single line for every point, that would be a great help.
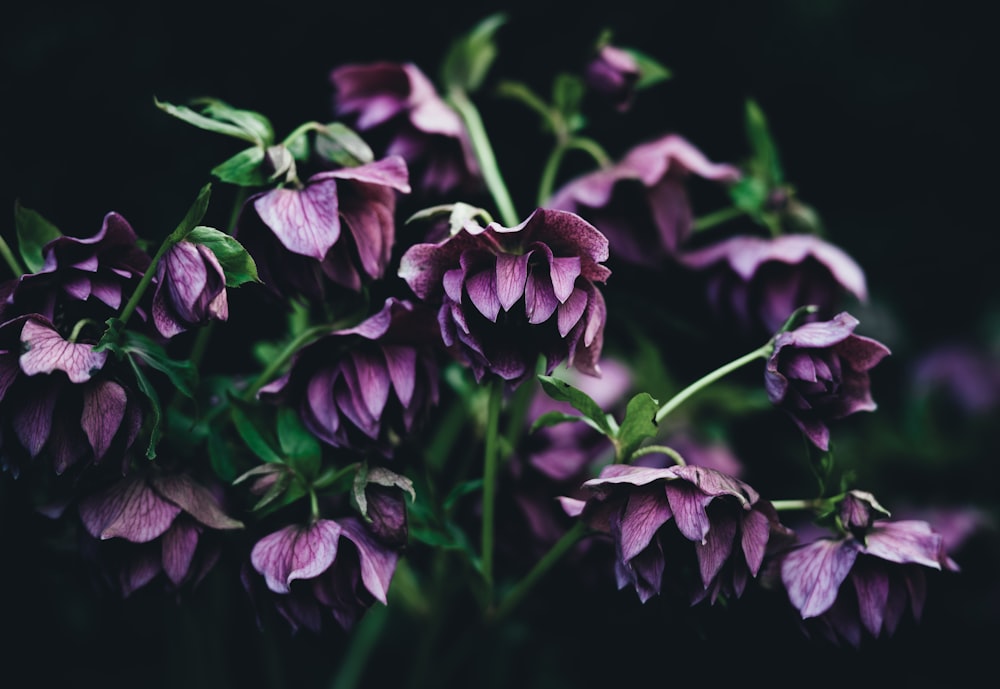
x: 790, y: 505
x: 147, y: 277
x: 490, y: 470
x: 272, y: 368
x: 592, y: 148
x: 717, y: 218
x: 663, y: 450
x: 10, y: 259
x: 560, y: 548
x: 548, y: 181
x: 484, y: 154
x: 705, y: 381
x: 364, y: 639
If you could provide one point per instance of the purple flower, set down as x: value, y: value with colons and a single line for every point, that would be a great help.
x: 613, y: 74
x: 965, y: 374
x: 507, y: 295
x: 425, y: 131
x: 641, y: 203
x: 367, y: 386
x: 190, y: 289
x: 758, y: 283
x: 60, y: 398
x: 153, y: 522
x: 664, y: 520
x: 297, y: 237
x: 820, y: 371
x: 885, y: 562
x: 335, y: 566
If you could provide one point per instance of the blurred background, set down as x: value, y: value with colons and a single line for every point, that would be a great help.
x: 882, y: 115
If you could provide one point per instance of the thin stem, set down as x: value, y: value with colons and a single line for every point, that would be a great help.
x: 364, y: 639
x: 663, y: 450
x: 560, y: 548
x: 484, y: 154
x: 147, y: 277
x: 790, y: 505
x: 10, y: 259
x: 717, y: 218
x: 548, y: 181
x: 705, y: 381
x: 272, y: 368
x: 592, y: 148
x: 490, y: 470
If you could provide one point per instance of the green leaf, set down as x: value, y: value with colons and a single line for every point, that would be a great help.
x: 461, y: 490
x: 220, y: 118
x: 567, y: 95
x: 253, y: 123
x: 194, y: 214
x: 650, y: 70
x: 237, y: 264
x: 182, y: 373
x: 220, y: 457
x: 515, y: 90
x: 245, y: 169
x: 470, y: 56
x: 294, y: 438
x: 252, y: 436
x: 552, y: 418
x: 154, y: 403
x: 564, y: 392
x: 765, y: 163
x: 638, y: 425
x: 342, y: 145
x: 33, y: 233
x: 382, y: 476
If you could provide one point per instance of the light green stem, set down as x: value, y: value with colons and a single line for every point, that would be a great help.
x: 662, y: 450
x: 705, y: 381
x: 10, y: 259
x: 790, y: 505
x: 548, y: 181
x: 490, y: 469
x: 272, y: 368
x: 364, y: 638
x: 717, y: 218
x: 484, y: 154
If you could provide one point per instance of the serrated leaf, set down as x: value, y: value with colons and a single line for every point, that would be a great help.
x: 237, y: 264
x: 579, y: 400
x: 342, y: 145
x: 638, y: 425
x: 470, y: 57
x: 245, y: 169
x: 33, y: 233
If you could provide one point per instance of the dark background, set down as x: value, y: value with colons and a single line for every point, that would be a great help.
x: 882, y: 112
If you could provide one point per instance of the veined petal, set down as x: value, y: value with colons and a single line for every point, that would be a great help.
x: 378, y: 563
x: 104, y: 404
x: 644, y: 513
x: 813, y: 574
x: 295, y: 552
x: 46, y: 351
x: 305, y: 221
x: 129, y: 509
x: 178, y: 548
x: 511, y: 274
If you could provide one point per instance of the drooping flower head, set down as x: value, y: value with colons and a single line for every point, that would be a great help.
x: 425, y: 131
x: 756, y: 283
x: 367, y: 386
x: 297, y: 236
x: 190, y: 289
x: 152, y: 522
x: 641, y: 203
x: 58, y: 396
x: 665, y: 521
x: 866, y: 579
x: 507, y: 295
x: 612, y: 74
x: 820, y: 371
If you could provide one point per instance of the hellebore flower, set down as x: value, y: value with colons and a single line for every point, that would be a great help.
x: 153, y: 522
x: 338, y: 566
x: 885, y: 562
x: 613, y: 74
x: 190, y: 289
x: 641, y: 203
x: 660, y: 518
x: 366, y: 386
x: 61, y: 398
x: 758, y: 283
x: 507, y: 295
x: 425, y: 131
x: 297, y: 237
x: 820, y: 371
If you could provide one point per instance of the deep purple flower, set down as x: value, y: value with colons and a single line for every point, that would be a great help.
x: 365, y: 386
x: 641, y: 203
x: 613, y: 74
x: 61, y: 399
x: 190, y: 289
x: 297, y: 237
x: 507, y: 295
x: 885, y: 563
x: 154, y: 522
x: 339, y: 567
x: 756, y: 283
x: 965, y: 374
x: 425, y: 131
x: 820, y: 371
x: 664, y: 520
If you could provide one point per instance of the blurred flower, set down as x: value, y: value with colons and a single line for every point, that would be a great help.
x: 613, y: 74
x: 641, y: 203
x: 426, y: 132
x: 336, y: 566
x: 820, y: 371
x: 190, y: 289
x: 885, y: 563
x: 508, y: 295
x: 676, y: 514
x: 968, y: 376
x: 296, y: 236
x: 367, y: 386
x: 151, y: 522
x: 757, y: 283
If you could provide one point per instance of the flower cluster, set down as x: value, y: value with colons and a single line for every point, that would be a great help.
x: 467, y: 393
